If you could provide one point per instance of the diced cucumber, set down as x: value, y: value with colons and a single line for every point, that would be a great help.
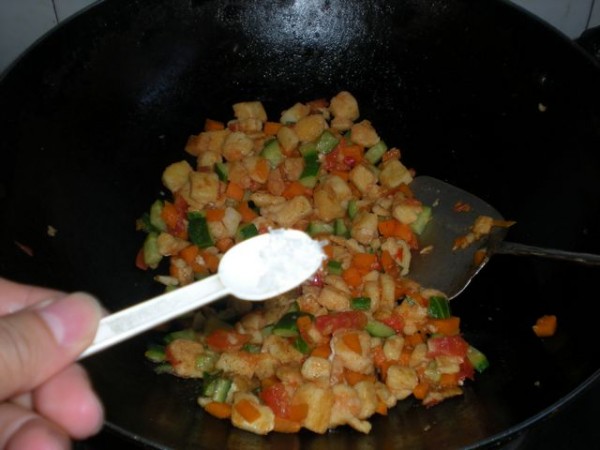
x: 418, y: 226
x: 311, y: 169
x: 152, y: 256
x: 155, y: 215
x: 379, y: 329
x: 361, y: 303
x: 477, y: 359
x: 216, y: 387
x: 327, y: 142
x: 222, y: 171
x: 374, y: 154
x: 247, y: 231
x: 186, y: 333
x: 315, y: 228
x: 352, y: 208
x: 301, y: 345
x: 439, y: 307
x: 251, y: 348
x: 287, y: 326
x: 272, y: 153
x: 198, y: 231
x: 206, y: 361
x: 309, y: 150
x: 334, y: 267
x: 340, y: 228
x: 156, y: 353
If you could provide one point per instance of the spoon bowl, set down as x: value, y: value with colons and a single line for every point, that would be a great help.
x: 258, y: 268
x: 450, y: 270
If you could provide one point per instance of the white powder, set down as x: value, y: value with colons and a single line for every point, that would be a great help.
x: 279, y: 261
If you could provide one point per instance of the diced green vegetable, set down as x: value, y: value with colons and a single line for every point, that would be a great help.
x: 309, y: 150
x: 156, y: 353
x: 206, y: 361
x: 164, y: 368
x: 340, y: 228
x: 251, y: 348
x: 326, y: 142
x: 272, y: 153
x: 247, y: 231
x: 152, y: 256
x: 155, y: 215
x: 222, y: 171
x: 315, y: 228
x: 287, y: 326
x: 439, y: 307
x: 360, y: 303
x: 216, y: 387
x: 379, y: 329
x: 334, y: 267
x: 352, y: 208
x: 311, y: 169
x: 187, y: 334
x: 198, y: 231
x: 477, y: 359
x: 374, y: 154
x: 301, y: 345
x: 422, y: 220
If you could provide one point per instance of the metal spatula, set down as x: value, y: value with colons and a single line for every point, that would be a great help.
x: 450, y: 270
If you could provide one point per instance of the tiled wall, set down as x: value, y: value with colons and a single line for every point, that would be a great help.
x: 24, y: 21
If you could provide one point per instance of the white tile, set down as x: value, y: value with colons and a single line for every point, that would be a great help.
x: 569, y: 16
x: 22, y: 22
x: 65, y: 8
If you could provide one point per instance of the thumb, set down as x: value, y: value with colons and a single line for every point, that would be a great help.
x: 38, y: 342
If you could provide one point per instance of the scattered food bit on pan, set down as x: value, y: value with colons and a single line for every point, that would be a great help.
x: 355, y: 338
x: 24, y: 248
x: 545, y: 326
x: 52, y: 231
x: 483, y: 226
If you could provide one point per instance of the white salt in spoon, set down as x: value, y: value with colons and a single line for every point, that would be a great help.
x: 256, y: 269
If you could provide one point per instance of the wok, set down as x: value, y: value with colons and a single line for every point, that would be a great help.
x: 479, y: 94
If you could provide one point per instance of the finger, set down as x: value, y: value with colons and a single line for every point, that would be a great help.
x: 22, y: 429
x: 38, y: 343
x: 68, y: 400
x: 15, y: 296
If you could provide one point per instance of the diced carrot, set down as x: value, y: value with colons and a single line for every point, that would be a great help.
x: 247, y: 410
x: 224, y: 244
x: 405, y: 356
x: 449, y: 379
x: 381, y: 408
x: 190, y: 255
x: 388, y: 264
x: 414, y: 339
x: 352, y: 341
x: 293, y: 189
x: 220, y: 410
x: 170, y: 215
x: 365, y: 262
x: 297, y: 412
x: 353, y: 154
x: 282, y: 425
x: 215, y: 214
x: 140, y: 263
x: 211, y: 260
x: 234, y: 191
x: 328, y: 250
x: 352, y: 276
x: 387, y: 227
x: 397, y: 229
x: 447, y: 327
x: 271, y: 128
x: 213, y: 125
x: 322, y: 351
x: 262, y: 169
x: 247, y: 213
x: 353, y: 378
x: 479, y: 256
x: 545, y: 326
x: 421, y: 390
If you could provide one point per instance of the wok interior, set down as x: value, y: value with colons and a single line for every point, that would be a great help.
x: 479, y: 95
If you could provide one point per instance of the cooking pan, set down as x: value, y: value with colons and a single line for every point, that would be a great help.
x: 479, y: 94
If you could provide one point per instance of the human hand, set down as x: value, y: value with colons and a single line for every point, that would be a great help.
x: 45, y: 398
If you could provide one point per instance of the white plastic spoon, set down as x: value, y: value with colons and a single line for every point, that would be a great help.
x: 256, y: 269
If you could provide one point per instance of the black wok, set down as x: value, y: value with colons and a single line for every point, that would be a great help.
x: 477, y: 93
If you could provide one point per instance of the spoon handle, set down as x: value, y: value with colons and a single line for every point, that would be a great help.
x: 512, y: 248
x: 138, y: 318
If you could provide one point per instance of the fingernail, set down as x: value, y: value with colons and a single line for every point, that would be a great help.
x: 72, y: 320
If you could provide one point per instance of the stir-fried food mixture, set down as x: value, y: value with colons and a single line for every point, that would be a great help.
x: 355, y: 338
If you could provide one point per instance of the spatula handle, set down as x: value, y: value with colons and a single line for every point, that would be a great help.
x: 512, y: 248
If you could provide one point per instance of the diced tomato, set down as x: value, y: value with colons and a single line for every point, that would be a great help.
x: 140, y: 263
x: 394, y: 321
x: 276, y: 398
x: 222, y: 339
x: 466, y: 370
x: 317, y: 279
x: 329, y: 323
x: 447, y: 346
